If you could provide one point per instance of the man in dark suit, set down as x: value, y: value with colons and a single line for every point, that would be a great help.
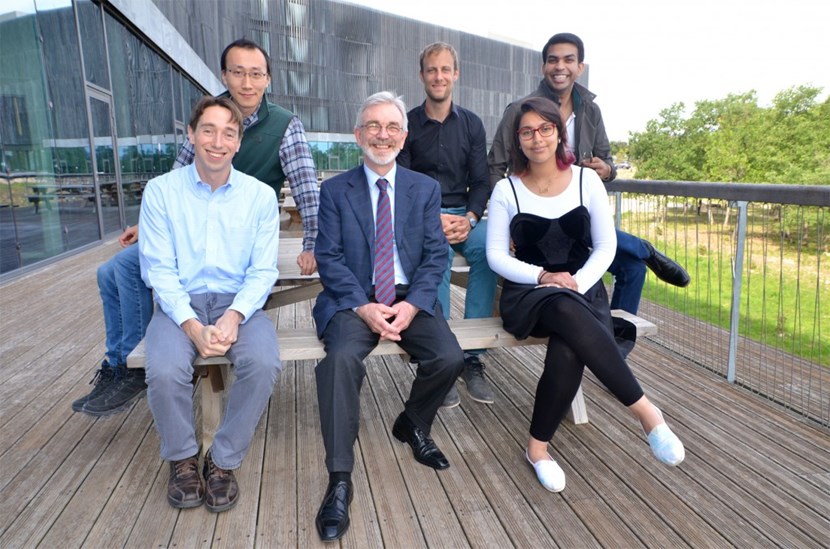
x: 381, y: 253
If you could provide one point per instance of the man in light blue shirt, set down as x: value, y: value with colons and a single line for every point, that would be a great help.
x: 209, y: 250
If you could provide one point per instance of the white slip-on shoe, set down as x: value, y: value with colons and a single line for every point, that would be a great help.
x: 550, y: 475
x: 665, y: 445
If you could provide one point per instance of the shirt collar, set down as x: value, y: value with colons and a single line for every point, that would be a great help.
x: 372, y: 177
x: 423, y: 119
x: 194, y: 177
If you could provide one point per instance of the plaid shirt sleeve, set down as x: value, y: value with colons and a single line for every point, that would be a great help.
x: 186, y: 154
x: 298, y: 166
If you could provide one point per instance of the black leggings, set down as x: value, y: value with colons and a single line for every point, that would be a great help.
x: 576, y: 338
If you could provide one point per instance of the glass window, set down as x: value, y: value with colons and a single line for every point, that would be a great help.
x: 144, y: 107
x: 44, y: 137
x: 92, y: 40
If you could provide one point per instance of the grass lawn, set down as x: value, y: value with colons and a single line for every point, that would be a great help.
x: 785, y: 293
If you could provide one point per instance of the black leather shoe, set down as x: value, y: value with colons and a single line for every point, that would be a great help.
x: 423, y: 448
x: 666, y: 269
x: 333, y: 516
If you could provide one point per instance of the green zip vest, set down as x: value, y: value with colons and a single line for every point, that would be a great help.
x: 259, y: 154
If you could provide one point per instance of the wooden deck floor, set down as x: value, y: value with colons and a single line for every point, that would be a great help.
x: 753, y: 476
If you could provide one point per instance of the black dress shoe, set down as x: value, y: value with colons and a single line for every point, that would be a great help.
x: 666, y: 269
x: 333, y: 516
x: 423, y: 448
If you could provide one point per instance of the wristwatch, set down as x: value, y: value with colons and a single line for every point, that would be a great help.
x: 472, y: 221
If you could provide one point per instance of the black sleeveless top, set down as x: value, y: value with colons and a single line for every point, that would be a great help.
x: 558, y: 245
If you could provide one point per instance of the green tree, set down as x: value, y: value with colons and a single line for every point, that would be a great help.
x: 733, y: 139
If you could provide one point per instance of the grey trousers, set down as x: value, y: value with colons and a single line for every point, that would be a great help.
x: 169, y: 364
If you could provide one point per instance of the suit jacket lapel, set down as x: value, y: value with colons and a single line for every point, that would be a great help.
x: 404, y: 198
x: 361, y: 204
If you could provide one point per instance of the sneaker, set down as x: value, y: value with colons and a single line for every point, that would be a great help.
x: 221, y: 489
x: 102, y: 380
x: 665, y: 445
x: 184, y: 487
x: 477, y: 385
x: 127, y: 386
x: 548, y: 472
x: 452, y: 399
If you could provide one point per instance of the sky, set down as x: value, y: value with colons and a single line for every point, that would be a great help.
x: 646, y: 55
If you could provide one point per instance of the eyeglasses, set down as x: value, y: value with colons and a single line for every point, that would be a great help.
x: 545, y: 130
x: 373, y: 128
x: 239, y: 74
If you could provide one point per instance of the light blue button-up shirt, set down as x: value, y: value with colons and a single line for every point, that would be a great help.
x: 374, y: 193
x: 194, y: 241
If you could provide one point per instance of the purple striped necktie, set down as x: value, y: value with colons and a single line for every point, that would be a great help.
x: 384, y: 257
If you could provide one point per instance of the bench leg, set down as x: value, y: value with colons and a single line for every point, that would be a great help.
x: 212, y: 392
x: 579, y: 413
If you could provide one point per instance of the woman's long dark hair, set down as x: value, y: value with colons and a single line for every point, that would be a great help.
x: 548, y: 110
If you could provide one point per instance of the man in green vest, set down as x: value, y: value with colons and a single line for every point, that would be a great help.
x: 274, y: 148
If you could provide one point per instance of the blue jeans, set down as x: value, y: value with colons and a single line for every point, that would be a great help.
x: 481, y: 288
x: 629, y: 272
x: 128, y: 304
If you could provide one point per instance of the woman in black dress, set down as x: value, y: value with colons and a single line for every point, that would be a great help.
x: 556, y: 218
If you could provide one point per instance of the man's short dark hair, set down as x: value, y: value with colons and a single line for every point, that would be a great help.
x: 245, y: 44
x: 210, y: 101
x: 565, y: 38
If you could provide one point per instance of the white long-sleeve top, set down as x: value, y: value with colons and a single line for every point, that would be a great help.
x: 502, y: 209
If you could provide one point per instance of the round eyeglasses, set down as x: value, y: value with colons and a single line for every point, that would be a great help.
x: 373, y: 128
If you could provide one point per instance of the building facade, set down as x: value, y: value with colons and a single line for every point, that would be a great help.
x: 95, y: 96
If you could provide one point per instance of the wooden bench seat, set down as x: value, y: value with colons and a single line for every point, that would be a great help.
x: 302, y: 343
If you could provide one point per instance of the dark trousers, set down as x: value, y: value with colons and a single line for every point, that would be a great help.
x: 348, y: 340
x: 576, y: 339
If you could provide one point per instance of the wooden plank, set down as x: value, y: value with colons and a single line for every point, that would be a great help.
x: 233, y: 527
x: 505, y: 424
x: 754, y: 475
x: 114, y: 526
x: 283, y: 297
x: 281, y: 477
x: 81, y: 512
x: 384, y: 460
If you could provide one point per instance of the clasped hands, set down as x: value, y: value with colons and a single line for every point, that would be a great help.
x: 557, y: 280
x: 388, y: 321
x: 214, y: 339
x: 456, y: 227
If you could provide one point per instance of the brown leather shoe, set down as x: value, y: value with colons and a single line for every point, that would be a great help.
x: 222, y: 491
x: 184, y: 487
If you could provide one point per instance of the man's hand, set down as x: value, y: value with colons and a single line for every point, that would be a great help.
x: 558, y: 280
x: 307, y: 262
x: 456, y: 227
x: 206, y: 338
x: 598, y: 165
x: 404, y: 313
x: 376, y: 316
x: 228, y: 325
x: 129, y: 236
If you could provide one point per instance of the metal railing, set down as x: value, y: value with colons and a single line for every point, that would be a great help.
x: 758, y: 309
